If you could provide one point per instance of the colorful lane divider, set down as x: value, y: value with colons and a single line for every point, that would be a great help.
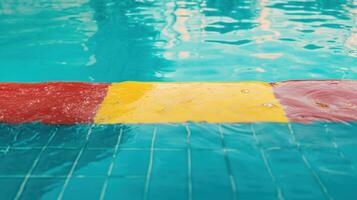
x: 160, y: 102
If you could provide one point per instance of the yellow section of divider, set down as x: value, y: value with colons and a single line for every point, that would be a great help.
x: 155, y: 102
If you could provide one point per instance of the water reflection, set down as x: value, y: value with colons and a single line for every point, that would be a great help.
x: 240, y: 15
x: 177, y: 40
x: 87, y: 40
x: 124, y: 43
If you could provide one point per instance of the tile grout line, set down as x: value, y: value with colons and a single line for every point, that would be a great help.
x: 110, y: 170
x: 267, y: 165
x: 10, y: 146
x: 228, y: 164
x: 308, y: 165
x: 26, y: 178
x: 121, y: 148
x: 148, y: 173
x: 75, y: 176
x: 189, y: 162
x: 337, y: 147
x: 74, y: 165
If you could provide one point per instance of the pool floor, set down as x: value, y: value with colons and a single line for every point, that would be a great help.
x: 179, y: 161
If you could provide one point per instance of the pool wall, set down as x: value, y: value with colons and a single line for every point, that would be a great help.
x: 154, y: 102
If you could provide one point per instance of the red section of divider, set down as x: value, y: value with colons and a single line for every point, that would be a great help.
x: 54, y: 103
x: 307, y: 101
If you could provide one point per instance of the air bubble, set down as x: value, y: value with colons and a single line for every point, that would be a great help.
x: 269, y: 105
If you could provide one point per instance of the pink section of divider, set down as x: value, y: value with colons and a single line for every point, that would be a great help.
x: 307, y: 101
x: 53, y: 103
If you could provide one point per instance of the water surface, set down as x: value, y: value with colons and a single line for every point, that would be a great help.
x: 170, y: 40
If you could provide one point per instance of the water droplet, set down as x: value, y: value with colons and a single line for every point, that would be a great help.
x: 269, y: 105
x: 244, y: 91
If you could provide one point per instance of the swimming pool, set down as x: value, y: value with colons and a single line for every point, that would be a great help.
x: 289, y: 140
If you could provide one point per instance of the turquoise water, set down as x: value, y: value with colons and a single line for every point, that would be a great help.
x: 169, y: 40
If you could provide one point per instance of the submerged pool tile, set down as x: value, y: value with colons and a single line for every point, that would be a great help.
x: 170, y: 163
x: 83, y: 188
x: 273, y: 135
x: 311, y: 135
x: 176, y: 190
x: 17, y: 162
x: 70, y: 136
x: 294, y: 177
x: 6, y: 135
x: 125, y: 188
x: 56, y: 162
x: 137, y: 136
x: 211, y: 171
x: 94, y: 163
x: 251, y: 175
x: 42, y: 188
x: 206, y: 162
x: 104, y: 136
x: 9, y: 187
x: 131, y: 163
x: 204, y: 136
x: 25, y: 135
x: 340, y: 186
x: 211, y: 186
x: 344, y: 137
x: 328, y: 159
x: 238, y: 136
x: 210, y: 178
x: 171, y: 136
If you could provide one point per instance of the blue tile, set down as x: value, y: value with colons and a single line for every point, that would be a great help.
x: 211, y: 186
x: 9, y: 187
x: 311, y: 134
x: 104, y: 136
x: 205, y: 135
x: 345, y: 138
x: 131, y: 163
x: 168, y: 163
x: 286, y: 162
x: 273, y: 135
x: 17, y: 162
x: 42, y: 188
x: 171, y: 136
x: 205, y: 162
x: 84, y: 188
x: 32, y: 134
x: 292, y: 174
x: 94, y: 163
x: 55, y: 162
x: 6, y: 135
x: 251, y: 176
x: 238, y: 136
x: 327, y: 158
x: 70, y: 136
x: 173, y: 186
x: 137, y: 136
x: 340, y: 186
x: 125, y: 188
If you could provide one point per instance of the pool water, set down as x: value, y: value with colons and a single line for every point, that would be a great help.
x: 179, y: 161
x: 172, y: 41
